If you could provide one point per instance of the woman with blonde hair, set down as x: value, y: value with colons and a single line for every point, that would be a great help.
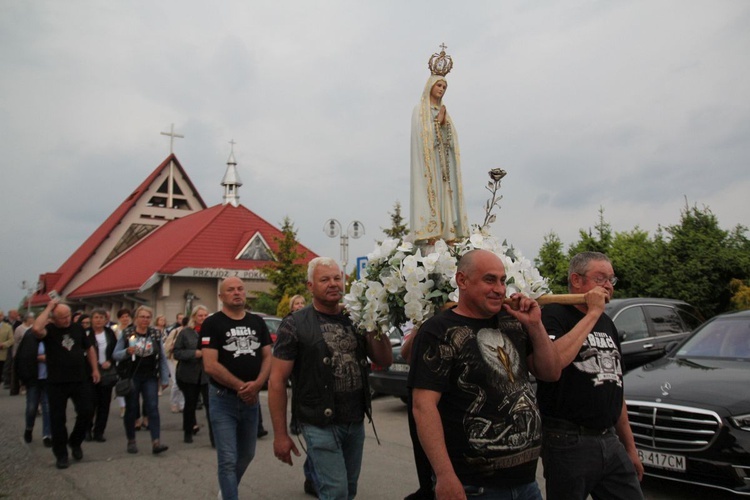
x: 142, y: 350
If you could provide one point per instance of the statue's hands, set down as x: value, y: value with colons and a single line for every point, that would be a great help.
x: 440, y: 118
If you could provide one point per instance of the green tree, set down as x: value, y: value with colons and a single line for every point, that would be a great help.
x: 287, y: 274
x: 740, y: 294
x: 598, y: 240
x: 634, y: 258
x: 398, y: 227
x: 701, y: 259
x: 553, y: 264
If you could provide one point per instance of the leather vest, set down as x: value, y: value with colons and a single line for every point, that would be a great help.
x: 312, y: 375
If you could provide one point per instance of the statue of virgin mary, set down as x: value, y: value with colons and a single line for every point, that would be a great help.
x: 437, y: 209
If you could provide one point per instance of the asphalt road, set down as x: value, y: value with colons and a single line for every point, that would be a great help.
x: 189, y: 470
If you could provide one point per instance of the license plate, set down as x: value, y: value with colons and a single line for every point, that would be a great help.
x: 399, y: 368
x: 662, y: 460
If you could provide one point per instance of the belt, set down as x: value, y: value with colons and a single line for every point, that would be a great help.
x: 556, y: 424
x: 227, y: 390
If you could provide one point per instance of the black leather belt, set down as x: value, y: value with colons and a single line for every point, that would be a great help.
x: 227, y: 390
x: 556, y: 424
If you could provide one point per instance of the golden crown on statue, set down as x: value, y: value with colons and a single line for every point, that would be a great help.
x: 440, y: 64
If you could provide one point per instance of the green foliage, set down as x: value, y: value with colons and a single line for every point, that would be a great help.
x: 740, y: 294
x: 694, y: 260
x: 398, y: 227
x: 286, y: 274
x: 553, y: 263
x: 599, y: 241
x: 264, y: 303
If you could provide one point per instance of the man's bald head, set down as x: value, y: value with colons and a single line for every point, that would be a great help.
x: 61, y: 316
x: 232, y: 294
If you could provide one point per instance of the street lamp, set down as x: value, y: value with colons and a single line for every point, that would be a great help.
x: 355, y: 230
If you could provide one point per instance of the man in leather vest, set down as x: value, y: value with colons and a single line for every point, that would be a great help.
x: 326, y: 359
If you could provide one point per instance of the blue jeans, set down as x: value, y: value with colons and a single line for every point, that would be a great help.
x: 577, y: 465
x: 235, y: 428
x: 528, y: 491
x: 149, y: 387
x: 336, y: 453
x: 36, y: 393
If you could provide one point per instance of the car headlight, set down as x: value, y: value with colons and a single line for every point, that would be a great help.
x: 741, y: 421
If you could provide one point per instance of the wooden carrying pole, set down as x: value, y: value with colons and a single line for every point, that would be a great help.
x: 568, y: 299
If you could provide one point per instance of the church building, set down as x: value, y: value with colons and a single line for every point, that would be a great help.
x: 163, y: 247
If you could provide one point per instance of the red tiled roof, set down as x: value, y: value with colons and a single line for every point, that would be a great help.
x: 60, y: 279
x: 210, y: 238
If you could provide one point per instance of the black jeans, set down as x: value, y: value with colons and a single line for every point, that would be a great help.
x: 102, y: 397
x: 577, y: 464
x: 191, y: 392
x: 58, y: 395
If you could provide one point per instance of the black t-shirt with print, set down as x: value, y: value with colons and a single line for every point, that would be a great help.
x: 491, y: 422
x: 341, y: 339
x: 65, y: 349
x: 589, y: 392
x: 239, y: 343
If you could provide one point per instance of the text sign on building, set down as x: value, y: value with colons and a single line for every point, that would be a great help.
x: 204, y: 272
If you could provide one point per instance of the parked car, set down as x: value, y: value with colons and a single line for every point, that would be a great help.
x: 391, y: 381
x: 690, y: 410
x: 647, y: 326
x: 272, y: 322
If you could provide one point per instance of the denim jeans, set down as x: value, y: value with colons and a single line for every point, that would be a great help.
x: 235, y: 429
x: 577, y: 465
x: 36, y: 393
x: 528, y: 491
x: 336, y: 453
x: 149, y: 387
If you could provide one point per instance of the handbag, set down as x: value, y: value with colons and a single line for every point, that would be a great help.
x: 124, y: 386
x: 108, y: 377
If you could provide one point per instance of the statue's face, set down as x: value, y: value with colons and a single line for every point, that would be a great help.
x: 438, y: 90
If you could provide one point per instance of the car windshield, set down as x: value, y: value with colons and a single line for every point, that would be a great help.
x: 723, y: 338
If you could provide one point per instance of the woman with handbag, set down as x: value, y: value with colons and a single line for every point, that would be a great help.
x: 104, y: 340
x: 191, y: 378
x: 141, y: 347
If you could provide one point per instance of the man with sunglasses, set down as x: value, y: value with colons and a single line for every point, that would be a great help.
x: 587, y: 444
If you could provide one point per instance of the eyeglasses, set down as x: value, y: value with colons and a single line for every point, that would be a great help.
x: 601, y: 280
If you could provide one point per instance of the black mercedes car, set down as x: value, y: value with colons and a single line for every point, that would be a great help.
x: 690, y: 410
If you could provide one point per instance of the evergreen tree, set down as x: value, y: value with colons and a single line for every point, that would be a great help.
x: 286, y: 274
x: 599, y: 241
x: 398, y: 227
x: 553, y: 264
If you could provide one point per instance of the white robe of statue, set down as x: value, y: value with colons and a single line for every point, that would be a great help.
x: 437, y: 209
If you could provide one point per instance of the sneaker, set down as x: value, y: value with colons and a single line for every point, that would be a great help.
x: 159, y: 448
x: 309, y: 488
x: 62, y: 463
x: 77, y: 452
x: 27, y: 435
x: 100, y: 439
x: 47, y: 441
x: 132, y: 448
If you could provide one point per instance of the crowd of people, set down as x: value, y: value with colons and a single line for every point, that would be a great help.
x: 478, y: 427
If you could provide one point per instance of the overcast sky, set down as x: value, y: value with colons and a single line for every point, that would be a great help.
x: 632, y: 106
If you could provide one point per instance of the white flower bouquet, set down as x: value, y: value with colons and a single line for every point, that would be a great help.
x: 401, y: 283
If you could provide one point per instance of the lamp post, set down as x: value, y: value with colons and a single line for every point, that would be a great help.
x: 355, y: 230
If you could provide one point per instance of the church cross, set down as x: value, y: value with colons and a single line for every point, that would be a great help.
x: 172, y: 135
x: 443, y: 46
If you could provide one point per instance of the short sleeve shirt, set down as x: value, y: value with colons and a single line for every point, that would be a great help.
x: 66, y: 354
x: 590, y: 391
x: 239, y: 343
x: 491, y: 423
x: 341, y: 340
